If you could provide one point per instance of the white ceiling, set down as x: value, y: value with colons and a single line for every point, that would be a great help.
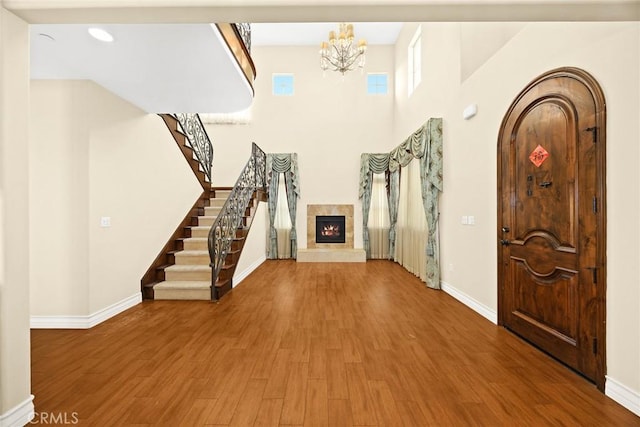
x: 158, y: 67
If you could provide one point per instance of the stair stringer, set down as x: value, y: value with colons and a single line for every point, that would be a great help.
x: 155, y: 273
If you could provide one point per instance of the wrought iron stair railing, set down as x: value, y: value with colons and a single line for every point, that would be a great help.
x: 224, y: 229
x: 198, y: 140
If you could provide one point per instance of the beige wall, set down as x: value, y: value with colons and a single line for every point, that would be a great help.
x: 329, y: 122
x: 479, y: 41
x: 15, y: 369
x: 609, y: 51
x: 59, y: 191
x: 255, y: 248
x: 95, y: 155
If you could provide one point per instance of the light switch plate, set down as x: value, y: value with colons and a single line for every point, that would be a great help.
x: 105, y: 221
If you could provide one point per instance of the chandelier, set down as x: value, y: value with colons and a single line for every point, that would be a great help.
x: 340, y: 54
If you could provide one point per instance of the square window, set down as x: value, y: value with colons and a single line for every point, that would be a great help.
x: 283, y: 84
x: 377, y: 84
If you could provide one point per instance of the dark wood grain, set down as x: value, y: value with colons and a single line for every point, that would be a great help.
x: 311, y: 344
x: 552, y: 257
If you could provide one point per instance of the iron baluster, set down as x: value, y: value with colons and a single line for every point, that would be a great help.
x: 229, y: 220
x: 198, y: 140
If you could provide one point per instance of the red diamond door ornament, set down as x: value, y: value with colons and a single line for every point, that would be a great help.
x: 538, y: 156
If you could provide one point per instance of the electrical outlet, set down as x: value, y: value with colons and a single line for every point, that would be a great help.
x: 105, y: 221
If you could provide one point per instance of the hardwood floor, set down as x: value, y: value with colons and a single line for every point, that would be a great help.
x: 310, y: 345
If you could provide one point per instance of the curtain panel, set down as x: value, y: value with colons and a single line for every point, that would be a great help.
x: 378, y: 223
x: 370, y: 163
x: 425, y: 144
x: 287, y: 164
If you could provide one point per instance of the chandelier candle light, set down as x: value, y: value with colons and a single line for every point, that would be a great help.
x: 340, y: 53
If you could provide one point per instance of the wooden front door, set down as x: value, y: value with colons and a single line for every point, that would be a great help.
x: 551, y: 219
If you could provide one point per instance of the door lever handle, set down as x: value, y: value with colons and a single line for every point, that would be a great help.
x: 505, y: 242
x: 545, y: 184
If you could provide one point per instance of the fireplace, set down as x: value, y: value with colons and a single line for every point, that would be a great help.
x: 330, y: 235
x: 315, y: 240
x: 330, y: 229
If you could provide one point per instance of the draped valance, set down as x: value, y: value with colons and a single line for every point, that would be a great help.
x: 412, y: 147
x: 284, y: 163
x: 371, y: 163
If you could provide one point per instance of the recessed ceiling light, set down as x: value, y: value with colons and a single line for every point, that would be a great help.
x: 100, y: 34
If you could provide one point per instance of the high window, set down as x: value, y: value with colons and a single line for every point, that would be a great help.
x: 377, y: 83
x: 283, y: 84
x: 415, y: 61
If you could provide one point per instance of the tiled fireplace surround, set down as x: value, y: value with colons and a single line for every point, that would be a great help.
x: 330, y: 252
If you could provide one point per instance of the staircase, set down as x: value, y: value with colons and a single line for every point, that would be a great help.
x: 189, y: 277
x: 208, y: 242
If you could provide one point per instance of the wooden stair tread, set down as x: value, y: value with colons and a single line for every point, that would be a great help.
x: 221, y: 283
x: 228, y: 266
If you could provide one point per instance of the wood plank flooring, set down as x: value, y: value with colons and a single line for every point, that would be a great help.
x: 310, y: 345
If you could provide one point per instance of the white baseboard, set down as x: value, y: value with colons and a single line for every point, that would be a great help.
x: 622, y: 394
x: 617, y: 391
x: 476, y: 306
x: 85, y: 322
x: 239, y: 277
x: 20, y: 415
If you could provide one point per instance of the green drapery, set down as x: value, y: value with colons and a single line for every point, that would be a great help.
x: 287, y: 164
x: 424, y: 144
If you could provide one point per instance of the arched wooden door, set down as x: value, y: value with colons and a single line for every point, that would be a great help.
x: 551, y: 219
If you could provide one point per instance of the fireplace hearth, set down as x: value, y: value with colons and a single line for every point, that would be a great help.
x: 330, y: 229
